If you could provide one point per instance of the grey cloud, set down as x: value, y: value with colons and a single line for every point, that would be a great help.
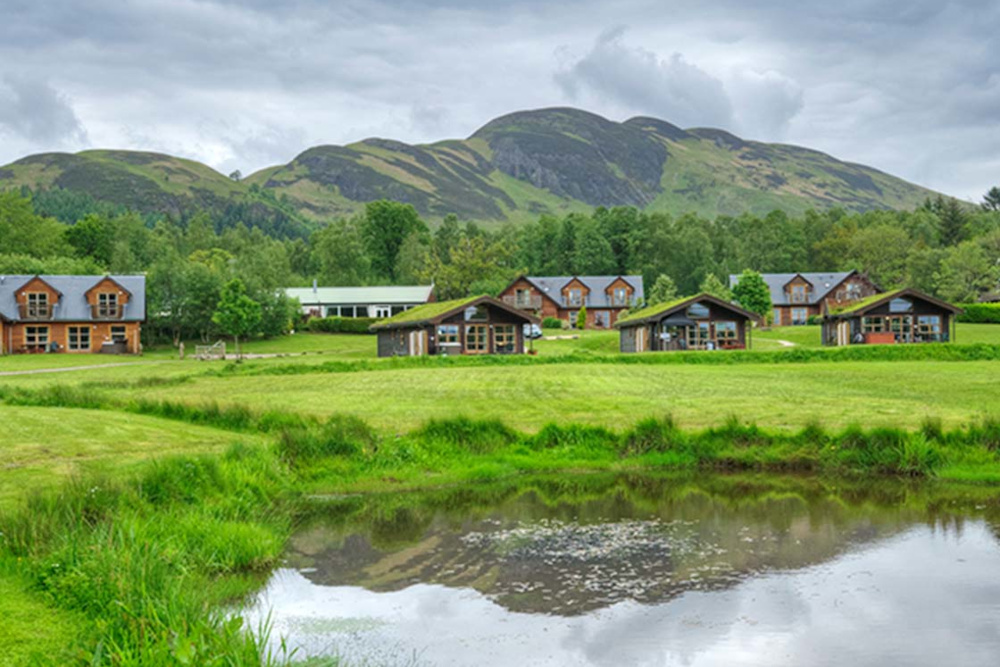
x: 672, y: 88
x: 37, y: 112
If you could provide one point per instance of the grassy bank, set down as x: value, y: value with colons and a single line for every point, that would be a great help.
x: 132, y: 563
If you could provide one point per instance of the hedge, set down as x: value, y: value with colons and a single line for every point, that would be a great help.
x: 980, y: 313
x: 355, y: 325
x: 552, y: 323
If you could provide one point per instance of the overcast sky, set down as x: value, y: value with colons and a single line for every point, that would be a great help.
x: 912, y: 88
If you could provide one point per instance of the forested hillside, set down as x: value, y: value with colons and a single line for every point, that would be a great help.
x: 514, y: 168
x: 942, y: 247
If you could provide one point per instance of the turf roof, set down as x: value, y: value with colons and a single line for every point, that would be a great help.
x: 652, y: 311
x: 428, y: 311
x: 864, y: 303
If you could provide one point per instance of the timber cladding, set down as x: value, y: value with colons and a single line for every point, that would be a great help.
x: 87, y: 337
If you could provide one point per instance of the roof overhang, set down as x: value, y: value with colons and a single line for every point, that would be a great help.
x: 683, y: 306
x: 889, y: 296
x: 439, y: 317
x: 120, y: 286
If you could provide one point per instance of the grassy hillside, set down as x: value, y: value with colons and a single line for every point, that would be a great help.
x: 515, y: 167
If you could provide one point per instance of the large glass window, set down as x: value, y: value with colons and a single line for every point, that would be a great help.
x: 382, y: 311
x: 620, y: 296
x: 575, y: 297
x: 872, y: 324
x: 79, y: 338
x: 448, y: 334
x: 698, y: 336
x: 36, y: 336
x: 477, y: 313
x: 475, y: 338
x: 697, y: 310
x: 798, y: 293
x: 118, y: 334
x: 777, y: 317
x: 504, y: 338
x: 900, y: 306
x: 725, y: 331
x: 800, y: 315
x: 929, y: 327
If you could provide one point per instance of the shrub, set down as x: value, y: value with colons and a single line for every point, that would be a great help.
x: 552, y: 323
x: 353, y: 325
x: 581, y: 318
x: 980, y: 313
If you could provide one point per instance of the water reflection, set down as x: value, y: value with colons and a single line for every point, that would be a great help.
x: 714, y: 571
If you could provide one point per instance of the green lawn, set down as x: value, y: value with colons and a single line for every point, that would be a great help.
x: 42, y: 446
x: 786, y: 395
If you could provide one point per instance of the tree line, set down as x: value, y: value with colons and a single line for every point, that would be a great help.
x: 943, y: 247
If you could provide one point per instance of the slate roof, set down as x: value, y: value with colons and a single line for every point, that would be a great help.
x: 73, y: 306
x: 552, y: 286
x: 361, y: 296
x: 432, y: 313
x: 660, y: 310
x: 822, y: 284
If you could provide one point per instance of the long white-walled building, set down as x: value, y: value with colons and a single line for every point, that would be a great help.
x: 380, y: 302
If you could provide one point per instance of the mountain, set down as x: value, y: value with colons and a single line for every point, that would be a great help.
x: 515, y: 167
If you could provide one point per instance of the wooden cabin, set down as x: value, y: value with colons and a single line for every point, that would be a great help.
x: 72, y: 314
x: 476, y: 325
x: 902, y: 316
x: 702, y: 322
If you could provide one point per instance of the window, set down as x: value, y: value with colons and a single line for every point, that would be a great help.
x: 575, y: 297
x: 107, y: 305
x: 777, y: 317
x: 475, y: 338
x: 620, y: 297
x: 900, y: 306
x: 697, y: 310
x: 572, y: 318
x: 382, y: 311
x: 929, y: 327
x: 800, y: 315
x: 38, y: 304
x: 36, y: 336
x: 79, y: 338
x: 725, y: 331
x: 118, y: 334
x: 697, y: 335
x: 522, y: 298
x: 601, y: 318
x: 853, y: 291
x: 798, y: 293
x: 872, y: 324
x: 504, y: 338
x: 478, y: 313
x: 448, y: 334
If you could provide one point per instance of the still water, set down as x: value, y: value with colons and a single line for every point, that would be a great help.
x: 644, y: 571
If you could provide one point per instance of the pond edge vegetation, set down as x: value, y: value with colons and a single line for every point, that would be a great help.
x: 152, y: 560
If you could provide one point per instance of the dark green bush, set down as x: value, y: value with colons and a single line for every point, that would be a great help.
x: 552, y: 323
x: 980, y: 313
x: 354, y: 325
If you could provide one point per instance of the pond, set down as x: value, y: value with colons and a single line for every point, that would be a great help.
x: 601, y: 570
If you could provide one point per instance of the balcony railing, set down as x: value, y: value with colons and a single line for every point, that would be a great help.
x: 35, y: 312
x: 530, y: 302
x: 106, y: 312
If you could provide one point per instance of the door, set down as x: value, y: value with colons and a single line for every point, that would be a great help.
x: 476, y: 339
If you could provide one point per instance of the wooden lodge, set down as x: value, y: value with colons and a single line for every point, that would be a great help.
x: 702, y: 322
x: 562, y: 297
x: 901, y: 316
x: 72, y: 314
x: 476, y: 325
x: 797, y: 297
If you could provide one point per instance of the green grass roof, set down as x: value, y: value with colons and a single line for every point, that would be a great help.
x: 427, y: 311
x: 652, y: 311
x: 864, y: 303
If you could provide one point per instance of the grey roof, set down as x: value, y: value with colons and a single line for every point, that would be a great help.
x: 72, y: 306
x: 345, y: 296
x: 823, y: 284
x: 552, y: 286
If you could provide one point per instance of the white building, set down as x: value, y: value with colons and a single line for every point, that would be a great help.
x: 380, y: 302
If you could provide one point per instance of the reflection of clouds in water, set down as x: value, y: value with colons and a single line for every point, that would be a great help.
x: 922, y: 598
